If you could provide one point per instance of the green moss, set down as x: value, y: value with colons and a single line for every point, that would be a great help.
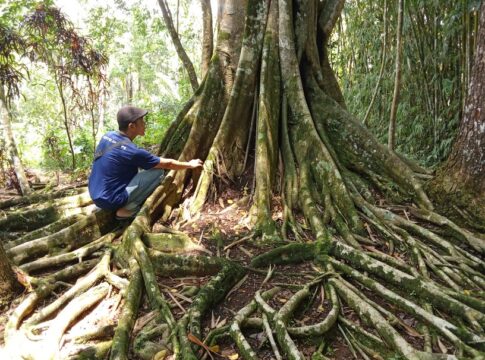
x: 29, y: 220
x: 461, y: 205
x: 288, y: 254
x: 224, y: 36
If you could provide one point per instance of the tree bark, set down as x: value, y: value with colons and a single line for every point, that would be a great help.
x: 467, y: 158
x: 11, y: 147
x: 462, y: 176
x: 60, y: 88
x: 207, y: 38
x: 189, y: 67
x: 9, y: 285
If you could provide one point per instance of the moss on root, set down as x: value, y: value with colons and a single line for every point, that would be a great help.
x: 462, y: 205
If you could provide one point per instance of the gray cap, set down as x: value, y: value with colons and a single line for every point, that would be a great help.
x: 129, y: 114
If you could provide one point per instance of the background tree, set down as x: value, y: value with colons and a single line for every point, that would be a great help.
x: 139, y: 48
x: 438, y: 45
x: 189, y: 67
x: 10, y: 77
x: 67, y: 56
x: 397, y: 78
x: 383, y: 64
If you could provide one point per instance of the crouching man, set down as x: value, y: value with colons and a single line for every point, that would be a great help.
x: 115, y: 183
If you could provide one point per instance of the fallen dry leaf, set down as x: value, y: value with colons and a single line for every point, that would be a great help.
x: 161, y: 355
x: 442, y: 347
x: 214, y: 348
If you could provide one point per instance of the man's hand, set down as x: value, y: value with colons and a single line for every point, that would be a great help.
x: 172, y: 164
x: 195, y: 163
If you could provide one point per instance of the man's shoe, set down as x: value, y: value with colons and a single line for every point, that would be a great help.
x: 124, y: 214
x: 125, y: 218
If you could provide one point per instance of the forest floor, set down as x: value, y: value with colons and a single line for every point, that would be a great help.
x: 223, y: 230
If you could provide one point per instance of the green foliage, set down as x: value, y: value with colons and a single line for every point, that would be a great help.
x: 143, y: 70
x: 438, y: 45
x: 55, y: 150
x: 158, y: 121
x: 83, y: 148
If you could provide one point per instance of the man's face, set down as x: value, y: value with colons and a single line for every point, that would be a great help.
x: 138, y: 127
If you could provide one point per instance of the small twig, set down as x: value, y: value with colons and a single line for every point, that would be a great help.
x: 141, y: 322
x: 237, y: 286
x: 268, y: 275
x: 351, y: 347
x: 66, y: 284
x: 234, y: 243
x: 269, y: 333
x: 181, y: 296
x: 246, y: 251
x: 406, y: 214
x: 369, y: 231
x: 176, y: 302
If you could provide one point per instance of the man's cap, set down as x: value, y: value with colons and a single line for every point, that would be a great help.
x: 129, y: 114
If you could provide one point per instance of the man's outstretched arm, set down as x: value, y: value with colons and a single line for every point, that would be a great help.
x: 173, y: 164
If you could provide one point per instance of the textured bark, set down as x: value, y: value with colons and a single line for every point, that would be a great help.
x: 207, y: 38
x: 467, y: 159
x: 8, y: 282
x: 267, y: 125
x: 461, y: 179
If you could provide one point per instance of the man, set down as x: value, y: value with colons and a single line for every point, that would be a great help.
x: 115, y: 183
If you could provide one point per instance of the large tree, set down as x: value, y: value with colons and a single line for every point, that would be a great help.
x: 270, y: 106
x: 461, y: 180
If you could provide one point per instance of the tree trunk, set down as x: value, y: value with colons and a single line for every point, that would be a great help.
x: 461, y: 178
x: 129, y: 88
x: 383, y: 65
x: 189, y: 67
x: 207, y: 38
x: 9, y: 286
x: 11, y: 147
x: 60, y: 88
x: 397, y: 79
